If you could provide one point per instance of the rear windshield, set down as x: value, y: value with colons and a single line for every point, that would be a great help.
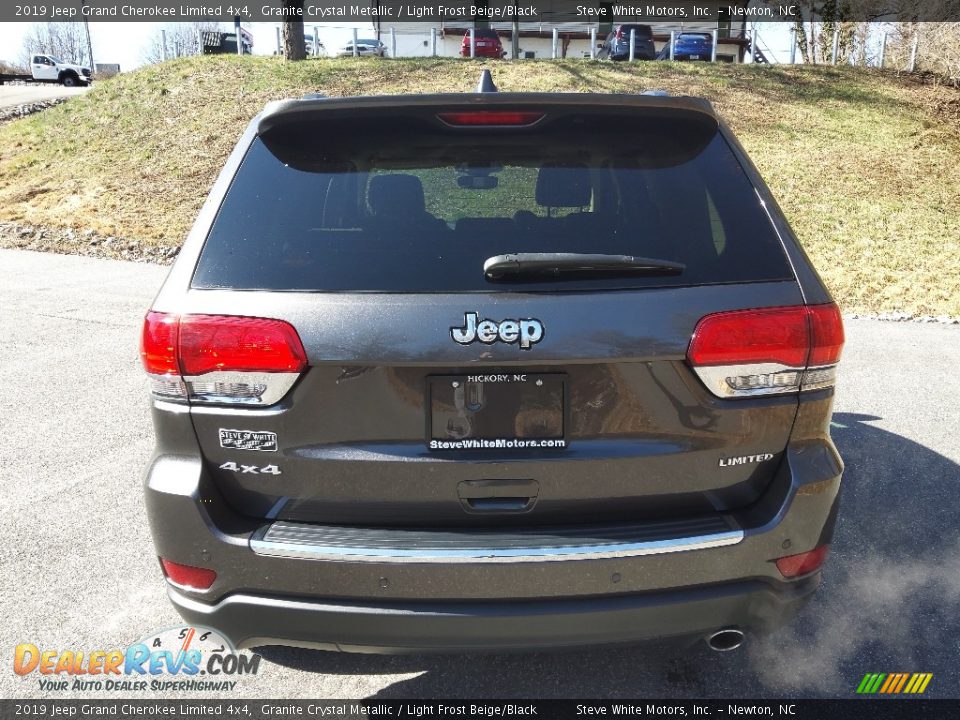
x: 642, y: 31
x: 380, y: 204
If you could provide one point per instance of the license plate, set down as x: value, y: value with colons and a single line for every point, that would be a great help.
x: 694, y: 57
x: 490, y: 411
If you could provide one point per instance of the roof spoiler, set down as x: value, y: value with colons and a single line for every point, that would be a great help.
x: 284, y: 112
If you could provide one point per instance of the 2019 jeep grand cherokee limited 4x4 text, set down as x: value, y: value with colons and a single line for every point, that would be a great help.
x: 491, y: 371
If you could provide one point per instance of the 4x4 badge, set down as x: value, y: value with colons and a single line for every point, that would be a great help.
x: 526, y: 332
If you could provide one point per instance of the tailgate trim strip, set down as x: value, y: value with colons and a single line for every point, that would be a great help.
x: 312, y: 542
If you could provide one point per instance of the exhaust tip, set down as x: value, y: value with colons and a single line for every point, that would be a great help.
x: 725, y: 640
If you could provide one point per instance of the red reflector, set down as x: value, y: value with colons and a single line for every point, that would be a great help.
x: 158, y: 344
x: 487, y: 118
x: 804, y: 563
x: 775, y: 335
x: 188, y: 575
x: 210, y: 343
x: 826, y: 328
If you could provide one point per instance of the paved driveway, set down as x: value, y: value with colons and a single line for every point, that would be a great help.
x: 13, y: 95
x: 77, y: 569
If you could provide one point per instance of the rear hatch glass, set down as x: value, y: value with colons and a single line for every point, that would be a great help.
x: 641, y: 32
x: 382, y: 202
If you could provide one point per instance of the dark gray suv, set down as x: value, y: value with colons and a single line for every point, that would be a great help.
x: 617, y: 44
x: 491, y: 371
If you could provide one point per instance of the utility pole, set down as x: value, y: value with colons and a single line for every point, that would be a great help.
x: 86, y: 26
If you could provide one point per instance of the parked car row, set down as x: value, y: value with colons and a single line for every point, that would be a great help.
x: 616, y: 46
x: 365, y: 47
x: 686, y: 46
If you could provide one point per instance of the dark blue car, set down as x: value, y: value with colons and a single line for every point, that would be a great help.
x: 689, y: 46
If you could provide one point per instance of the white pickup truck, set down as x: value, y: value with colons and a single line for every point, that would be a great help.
x: 46, y: 68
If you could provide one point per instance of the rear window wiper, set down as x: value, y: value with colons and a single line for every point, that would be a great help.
x: 545, y: 267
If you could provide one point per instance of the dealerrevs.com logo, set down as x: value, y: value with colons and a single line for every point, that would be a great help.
x: 176, y: 659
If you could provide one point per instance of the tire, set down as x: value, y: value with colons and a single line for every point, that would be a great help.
x: 70, y: 80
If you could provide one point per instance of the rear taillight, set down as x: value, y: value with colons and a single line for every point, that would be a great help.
x: 210, y: 343
x: 826, y: 330
x: 221, y: 358
x: 187, y: 576
x: 487, y: 118
x: 158, y: 345
x: 764, y: 352
x: 805, y: 563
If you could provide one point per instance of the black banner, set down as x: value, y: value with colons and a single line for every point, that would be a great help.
x: 524, y: 11
x: 854, y: 709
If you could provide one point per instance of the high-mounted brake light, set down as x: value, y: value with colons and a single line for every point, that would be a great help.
x: 490, y: 118
x: 221, y: 358
x: 769, y: 351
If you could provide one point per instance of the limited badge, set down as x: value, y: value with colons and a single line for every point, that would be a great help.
x: 261, y: 440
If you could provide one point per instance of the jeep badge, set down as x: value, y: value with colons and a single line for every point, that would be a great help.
x: 527, y: 332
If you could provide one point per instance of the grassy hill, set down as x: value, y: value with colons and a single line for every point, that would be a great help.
x: 864, y: 163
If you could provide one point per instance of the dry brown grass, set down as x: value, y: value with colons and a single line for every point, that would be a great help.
x: 864, y: 163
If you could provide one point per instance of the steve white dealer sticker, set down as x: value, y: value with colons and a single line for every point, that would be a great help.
x: 248, y: 440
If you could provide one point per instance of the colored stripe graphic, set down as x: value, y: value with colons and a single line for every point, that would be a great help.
x: 903, y: 681
x: 891, y: 680
x: 894, y: 683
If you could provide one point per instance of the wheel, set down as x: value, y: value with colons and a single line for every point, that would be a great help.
x: 70, y: 80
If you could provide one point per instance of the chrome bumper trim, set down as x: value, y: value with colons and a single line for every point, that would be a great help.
x: 261, y: 544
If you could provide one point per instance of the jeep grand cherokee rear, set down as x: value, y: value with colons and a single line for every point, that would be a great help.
x: 491, y: 371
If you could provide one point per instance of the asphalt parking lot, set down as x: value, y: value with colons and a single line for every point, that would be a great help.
x: 78, y: 570
x: 13, y: 95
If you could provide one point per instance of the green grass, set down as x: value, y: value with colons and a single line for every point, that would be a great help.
x: 863, y: 163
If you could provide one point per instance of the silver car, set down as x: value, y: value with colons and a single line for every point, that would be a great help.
x: 365, y: 48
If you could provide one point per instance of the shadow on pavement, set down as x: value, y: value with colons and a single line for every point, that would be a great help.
x: 888, y: 603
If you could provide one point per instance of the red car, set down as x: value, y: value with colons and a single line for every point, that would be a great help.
x: 487, y: 43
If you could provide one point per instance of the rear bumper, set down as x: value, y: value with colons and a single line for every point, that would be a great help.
x: 315, y: 586
x: 647, y: 52
x: 483, y: 52
x: 254, y: 620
